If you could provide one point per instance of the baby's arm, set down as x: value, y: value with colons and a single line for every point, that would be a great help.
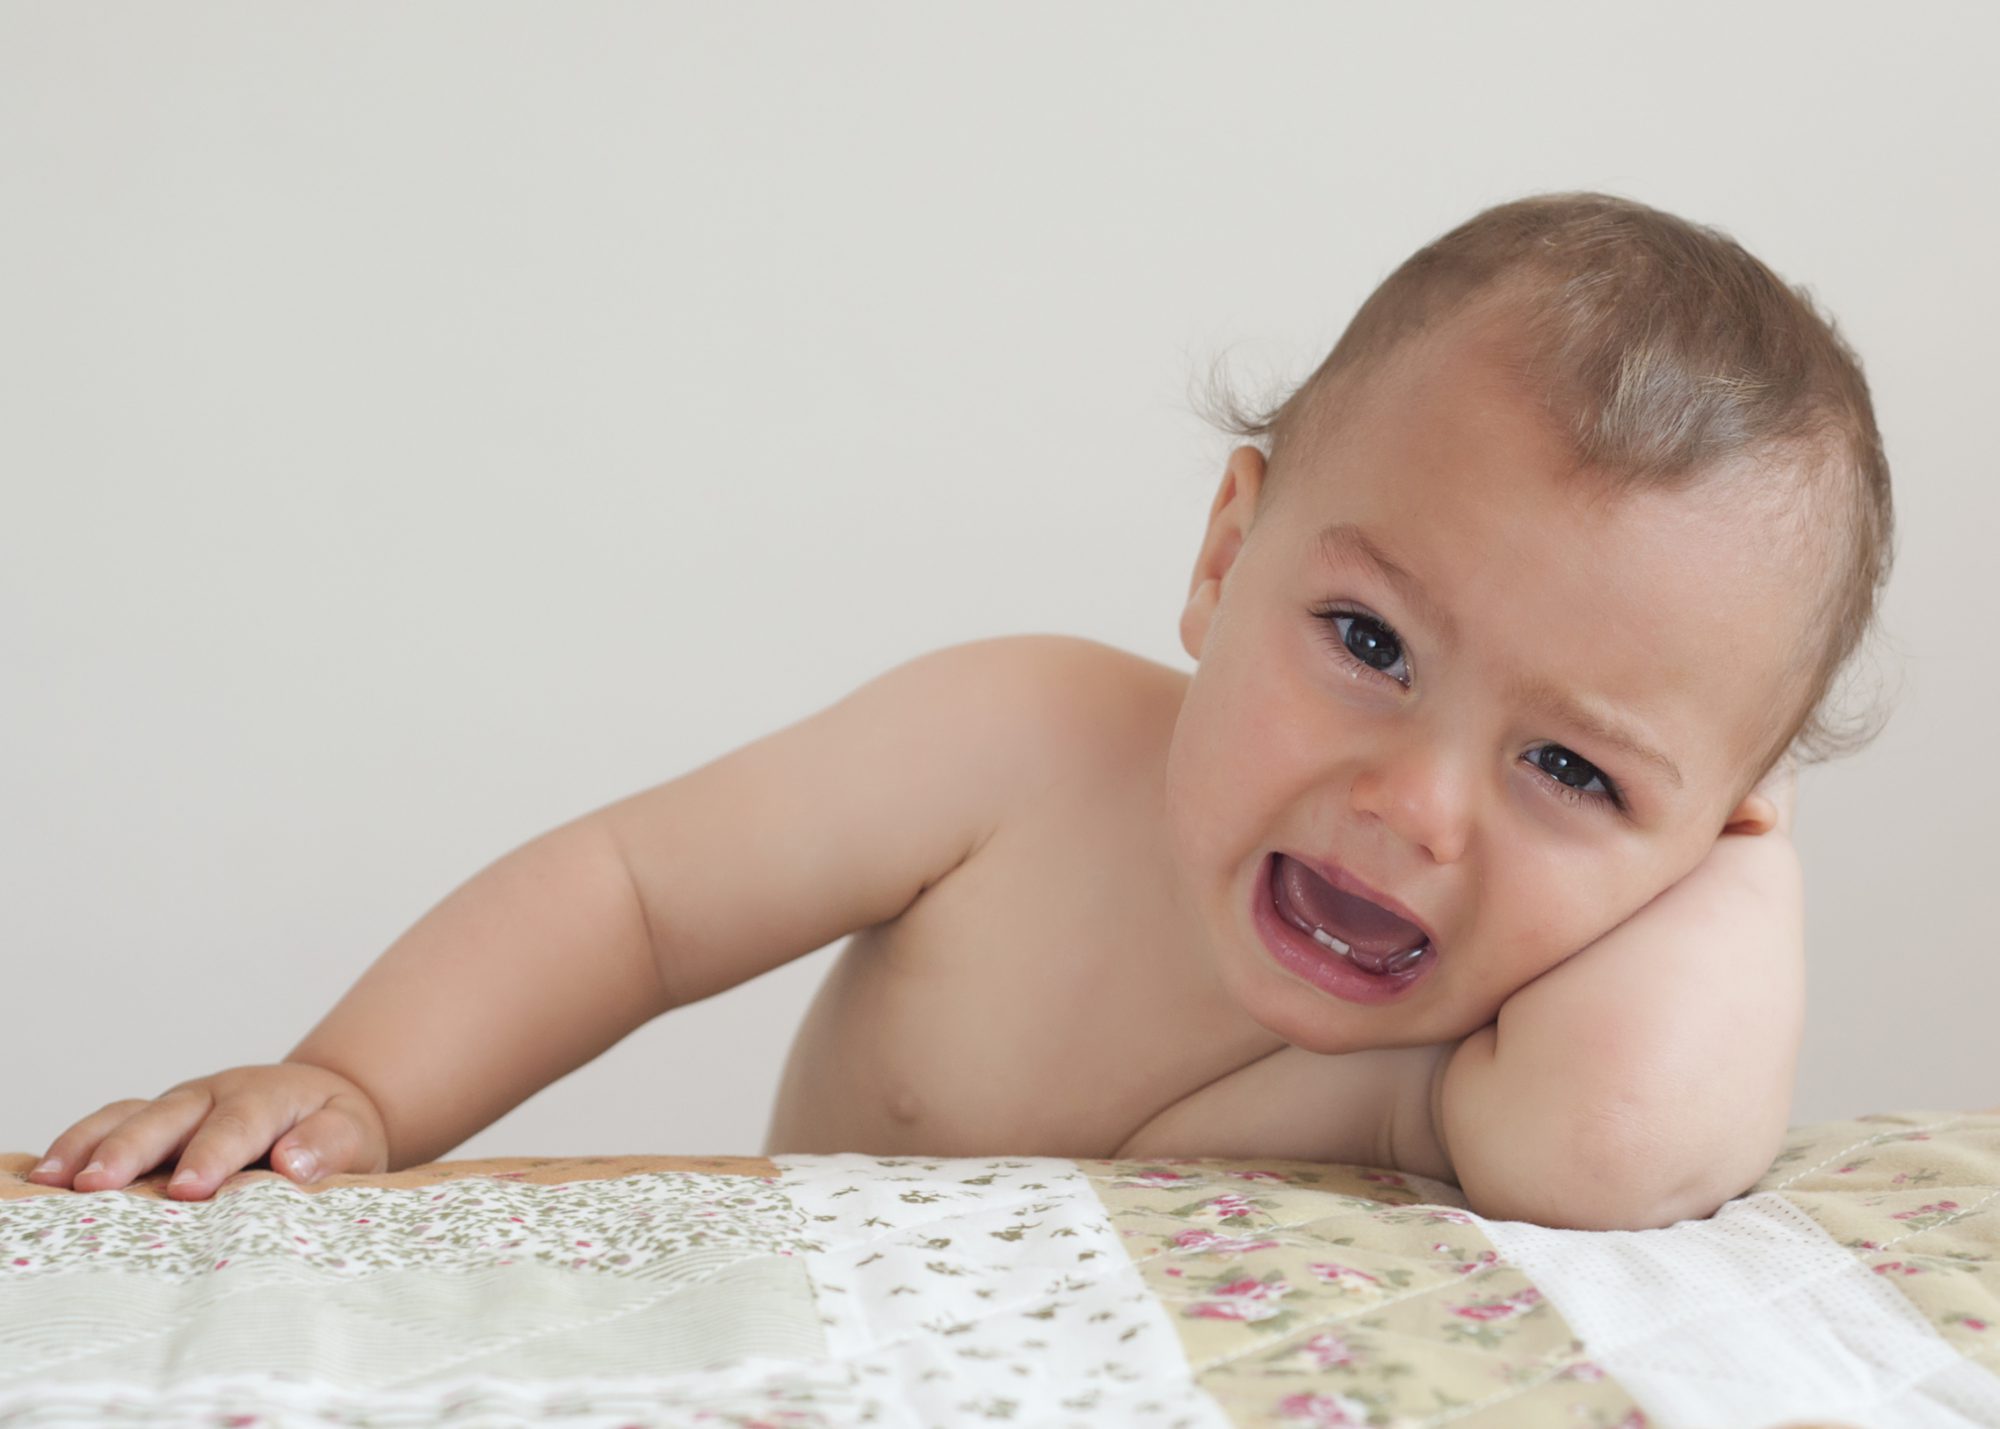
x: 679, y: 892
x: 551, y: 954
x: 1648, y: 1078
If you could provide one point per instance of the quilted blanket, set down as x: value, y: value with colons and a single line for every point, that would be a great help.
x: 1856, y: 1284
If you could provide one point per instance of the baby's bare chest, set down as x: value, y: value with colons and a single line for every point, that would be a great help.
x: 1047, y: 998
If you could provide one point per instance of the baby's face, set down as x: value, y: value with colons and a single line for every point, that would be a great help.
x: 1339, y: 715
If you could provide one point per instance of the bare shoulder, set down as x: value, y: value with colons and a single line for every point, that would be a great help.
x: 1023, y: 722
x: 1076, y: 666
x: 1083, y: 704
x: 865, y: 804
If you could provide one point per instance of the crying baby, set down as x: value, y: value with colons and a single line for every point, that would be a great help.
x: 1462, y: 849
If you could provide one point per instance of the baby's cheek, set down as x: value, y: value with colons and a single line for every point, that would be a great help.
x: 1189, y: 835
x: 1555, y: 928
x: 1201, y: 813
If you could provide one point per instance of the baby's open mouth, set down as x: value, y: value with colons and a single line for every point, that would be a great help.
x: 1364, y: 933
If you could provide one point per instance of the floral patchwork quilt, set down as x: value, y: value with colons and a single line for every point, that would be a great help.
x: 1857, y: 1284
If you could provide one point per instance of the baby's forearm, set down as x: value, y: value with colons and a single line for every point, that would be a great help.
x: 528, y: 970
x: 1657, y: 1064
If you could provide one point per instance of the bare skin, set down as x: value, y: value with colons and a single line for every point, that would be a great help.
x: 968, y: 1024
x: 1088, y: 982
x: 1043, y: 995
x: 1051, y: 848
x: 1053, y: 959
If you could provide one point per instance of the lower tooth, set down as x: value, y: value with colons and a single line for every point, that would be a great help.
x: 1401, y: 962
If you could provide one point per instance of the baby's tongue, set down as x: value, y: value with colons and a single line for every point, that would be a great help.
x: 1372, y: 931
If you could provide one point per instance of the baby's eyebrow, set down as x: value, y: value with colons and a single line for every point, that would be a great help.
x: 1344, y: 540
x: 1545, y: 699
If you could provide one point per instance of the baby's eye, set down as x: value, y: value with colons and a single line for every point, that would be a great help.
x: 1573, y: 776
x: 1366, y: 640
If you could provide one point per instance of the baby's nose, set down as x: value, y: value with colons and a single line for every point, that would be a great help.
x: 1420, y: 796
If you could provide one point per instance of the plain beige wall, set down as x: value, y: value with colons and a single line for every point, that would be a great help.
x: 419, y: 425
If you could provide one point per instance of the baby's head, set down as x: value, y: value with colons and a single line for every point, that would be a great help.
x: 1635, y: 516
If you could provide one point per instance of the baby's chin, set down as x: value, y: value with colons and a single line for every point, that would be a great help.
x: 1313, y: 1022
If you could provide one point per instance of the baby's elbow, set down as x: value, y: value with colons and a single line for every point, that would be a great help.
x: 1625, y: 1203
x: 1576, y: 1189
x: 1580, y: 1196
x: 1658, y: 1169
x: 1667, y: 1190
x: 1707, y: 1184
x: 1608, y: 1176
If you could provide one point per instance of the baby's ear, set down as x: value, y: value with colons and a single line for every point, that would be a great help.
x: 1228, y: 519
x: 1771, y: 804
x: 1755, y: 815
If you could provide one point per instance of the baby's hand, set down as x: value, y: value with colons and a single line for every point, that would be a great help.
x: 217, y: 1125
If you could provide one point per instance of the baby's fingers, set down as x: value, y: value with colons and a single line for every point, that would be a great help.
x: 240, y: 1130
x: 128, y: 1139
x: 69, y: 1151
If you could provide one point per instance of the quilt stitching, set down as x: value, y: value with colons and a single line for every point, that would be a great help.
x: 1874, y: 1139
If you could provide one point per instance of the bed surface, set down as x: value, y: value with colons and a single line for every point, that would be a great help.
x: 1856, y: 1284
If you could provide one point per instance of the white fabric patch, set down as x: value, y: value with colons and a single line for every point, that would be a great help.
x: 989, y: 1289
x: 1752, y: 1317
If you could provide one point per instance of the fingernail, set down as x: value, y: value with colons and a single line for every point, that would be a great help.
x: 46, y: 1167
x: 183, y: 1176
x: 93, y: 1166
x: 303, y: 1164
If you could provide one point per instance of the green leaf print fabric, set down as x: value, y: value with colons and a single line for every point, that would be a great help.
x: 1856, y: 1284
